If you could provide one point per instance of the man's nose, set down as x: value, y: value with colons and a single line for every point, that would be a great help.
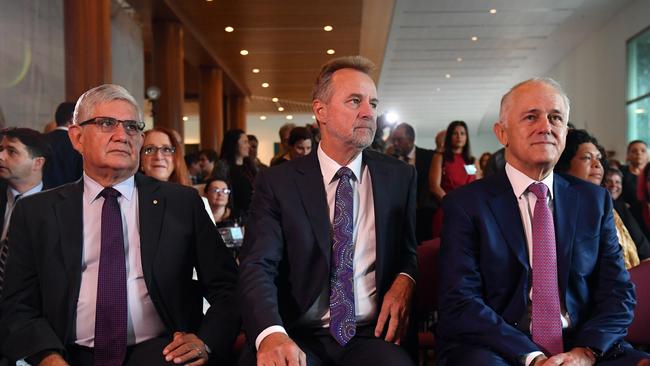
x: 367, y: 110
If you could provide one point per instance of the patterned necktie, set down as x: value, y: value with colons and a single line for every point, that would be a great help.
x: 546, y: 323
x: 342, y: 321
x: 4, y: 251
x: 111, y: 311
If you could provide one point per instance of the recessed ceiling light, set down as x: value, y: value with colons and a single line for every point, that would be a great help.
x: 438, y: 89
x: 263, y: 118
x: 493, y: 11
x: 243, y: 52
x: 474, y: 38
x: 265, y: 85
x: 330, y: 51
x: 185, y: 118
x: 313, y: 117
x: 460, y: 59
x: 280, y: 109
x: 274, y: 99
x: 256, y: 71
x: 448, y: 76
x: 229, y: 29
x: 639, y: 111
x: 328, y: 28
x: 289, y: 116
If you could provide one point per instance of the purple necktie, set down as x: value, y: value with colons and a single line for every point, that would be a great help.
x: 111, y: 311
x: 342, y: 322
x: 546, y: 323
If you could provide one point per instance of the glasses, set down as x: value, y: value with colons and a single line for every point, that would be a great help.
x: 109, y: 124
x: 225, y: 191
x: 166, y: 150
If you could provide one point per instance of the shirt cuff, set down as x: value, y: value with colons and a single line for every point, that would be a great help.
x: 408, y: 275
x: 531, y: 356
x: 268, y: 331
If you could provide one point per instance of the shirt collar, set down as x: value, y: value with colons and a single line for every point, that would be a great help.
x: 92, y: 189
x: 12, y: 193
x: 411, y: 154
x: 329, y: 167
x: 520, y: 181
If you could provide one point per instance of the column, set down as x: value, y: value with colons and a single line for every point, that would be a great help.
x: 168, y: 74
x: 87, y: 35
x: 211, y: 107
x: 237, y: 112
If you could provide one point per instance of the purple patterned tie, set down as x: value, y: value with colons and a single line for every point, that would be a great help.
x: 546, y: 323
x: 342, y: 321
x: 111, y: 311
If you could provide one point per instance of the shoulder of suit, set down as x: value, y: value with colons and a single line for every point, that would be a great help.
x: 578, y: 184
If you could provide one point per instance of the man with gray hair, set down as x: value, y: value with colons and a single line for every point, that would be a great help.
x: 100, y: 270
x: 531, y: 271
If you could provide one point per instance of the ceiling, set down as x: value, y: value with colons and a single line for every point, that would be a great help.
x: 430, y: 70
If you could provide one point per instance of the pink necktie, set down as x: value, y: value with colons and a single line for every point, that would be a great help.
x: 546, y: 323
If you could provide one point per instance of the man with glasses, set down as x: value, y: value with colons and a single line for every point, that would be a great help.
x: 100, y: 271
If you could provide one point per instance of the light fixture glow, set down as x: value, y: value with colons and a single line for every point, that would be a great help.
x: 275, y: 100
x: 289, y: 116
x: 263, y: 118
x: 328, y: 28
x: 639, y: 111
x: 280, y: 109
x: 460, y: 59
x: 256, y: 71
x: 474, y: 38
x: 391, y: 117
x: 448, y: 76
x: 493, y: 11
x: 265, y: 85
x: 313, y: 117
x: 185, y: 118
x: 243, y: 52
x: 438, y: 89
x: 331, y: 52
x: 229, y: 29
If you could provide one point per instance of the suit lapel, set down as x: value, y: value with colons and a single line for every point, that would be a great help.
x: 379, y: 177
x: 565, y: 202
x: 151, y: 211
x: 505, y: 209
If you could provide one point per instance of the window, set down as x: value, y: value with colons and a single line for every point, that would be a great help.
x: 638, y: 86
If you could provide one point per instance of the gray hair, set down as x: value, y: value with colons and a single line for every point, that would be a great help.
x: 102, y: 94
x: 322, y: 87
x: 543, y: 80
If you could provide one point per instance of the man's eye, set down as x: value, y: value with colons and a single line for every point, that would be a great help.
x: 530, y: 117
x: 107, y: 122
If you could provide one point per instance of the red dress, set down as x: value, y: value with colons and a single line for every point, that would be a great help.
x: 454, y: 175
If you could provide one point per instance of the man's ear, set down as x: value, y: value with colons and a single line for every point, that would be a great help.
x: 320, y: 111
x: 499, y: 129
x: 75, y: 133
x: 38, y: 164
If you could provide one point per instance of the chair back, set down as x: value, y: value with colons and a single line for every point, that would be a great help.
x: 427, y: 283
x: 638, y: 332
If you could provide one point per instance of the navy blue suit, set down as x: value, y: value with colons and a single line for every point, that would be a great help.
x: 485, y: 275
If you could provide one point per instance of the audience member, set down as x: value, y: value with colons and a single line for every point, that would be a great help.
x: 637, y: 158
x: 284, y: 132
x: 207, y: 160
x: 327, y: 271
x: 528, y: 228
x: 23, y: 155
x: 100, y: 271
x: 161, y: 157
x: 584, y: 158
x: 300, y: 142
x: 236, y: 167
x: 218, y: 194
x: 440, y: 141
x: 455, y: 166
x: 254, y: 143
x: 65, y: 164
x: 403, y: 141
x: 193, y: 167
x: 483, y: 161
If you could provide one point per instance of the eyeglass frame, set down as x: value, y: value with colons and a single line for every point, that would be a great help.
x: 158, y: 148
x: 220, y: 190
x: 139, y: 125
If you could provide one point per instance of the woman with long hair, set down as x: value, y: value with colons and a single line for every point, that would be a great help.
x: 455, y: 166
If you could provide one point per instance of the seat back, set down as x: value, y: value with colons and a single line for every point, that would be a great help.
x: 427, y: 283
x: 638, y: 332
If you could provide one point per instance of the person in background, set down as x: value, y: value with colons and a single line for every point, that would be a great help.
x: 207, y: 160
x: 254, y: 143
x: 65, y: 165
x: 440, y: 141
x: 193, y: 167
x: 236, y: 167
x: 300, y: 144
x: 637, y: 158
x: 483, y: 161
x: 583, y: 157
x: 218, y: 194
x: 283, y: 133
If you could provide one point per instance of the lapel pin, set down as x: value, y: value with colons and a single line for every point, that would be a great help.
x: 155, y: 202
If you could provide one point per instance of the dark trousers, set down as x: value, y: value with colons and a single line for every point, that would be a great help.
x: 323, y: 350
x: 146, y: 353
x: 473, y: 355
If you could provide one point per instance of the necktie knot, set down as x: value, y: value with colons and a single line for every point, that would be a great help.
x: 344, y: 172
x: 540, y: 190
x: 110, y: 192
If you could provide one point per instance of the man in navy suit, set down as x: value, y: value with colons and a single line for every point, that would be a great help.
x: 494, y: 233
x: 289, y: 261
x: 65, y: 165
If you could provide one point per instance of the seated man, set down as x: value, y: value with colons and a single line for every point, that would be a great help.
x: 328, y: 262
x: 531, y: 271
x: 100, y: 271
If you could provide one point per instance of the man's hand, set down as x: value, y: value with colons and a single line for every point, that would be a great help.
x: 186, y: 347
x: 578, y: 356
x: 279, y: 350
x: 53, y: 359
x: 395, y: 309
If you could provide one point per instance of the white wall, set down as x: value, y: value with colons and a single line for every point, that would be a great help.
x: 594, y: 76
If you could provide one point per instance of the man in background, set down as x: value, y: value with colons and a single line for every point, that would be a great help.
x: 65, y: 165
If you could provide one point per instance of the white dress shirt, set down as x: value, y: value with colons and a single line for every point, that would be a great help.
x: 143, y: 320
x: 526, y: 201
x: 11, y: 202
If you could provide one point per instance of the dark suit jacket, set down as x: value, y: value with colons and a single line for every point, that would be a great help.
x: 425, y: 198
x: 45, y: 257
x: 285, y: 259
x: 65, y: 165
x: 485, y: 272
